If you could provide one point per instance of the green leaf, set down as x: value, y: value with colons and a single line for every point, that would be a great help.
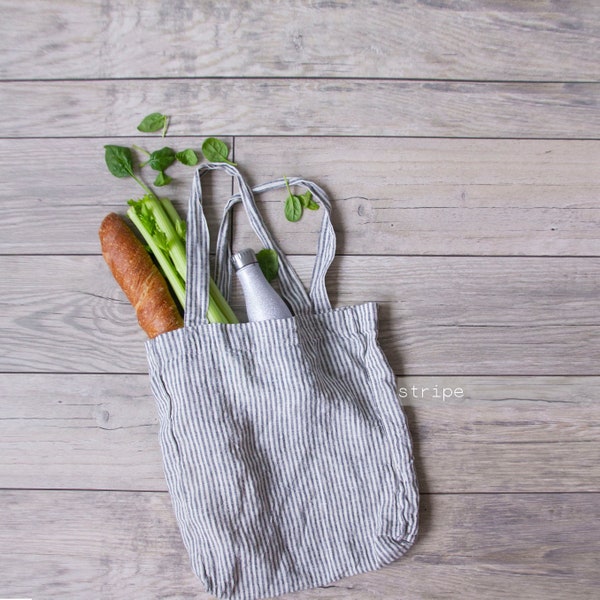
x: 162, y: 179
x: 162, y: 159
x: 187, y: 157
x: 293, y: 208
x: 293, y: 204
x: 153, y: 122
x: 268, y: 262
x: 215, y: 150
x: 305, y: 198
x: 119, y: 160
x: 307, y: 201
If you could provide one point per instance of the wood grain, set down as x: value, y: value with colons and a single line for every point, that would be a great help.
x: 438, y: 315
x: 417, y: 197
x: 301, y: 107
x: 116, y: 544
x: 498, y: 40
x: 391, y: 195
x: 54, y: 200
x: 459, y: 141
x: 470, y: 434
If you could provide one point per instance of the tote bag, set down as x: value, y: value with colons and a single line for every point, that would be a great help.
x: 286, y: 451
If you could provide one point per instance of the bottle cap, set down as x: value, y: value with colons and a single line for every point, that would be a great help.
x: 243, y: 257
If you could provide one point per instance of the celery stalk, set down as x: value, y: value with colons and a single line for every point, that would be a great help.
x: 177, y: 221
x: 164, y: 232
x: 173, y: 242
x: 165, y: 264
x: 215, y: 294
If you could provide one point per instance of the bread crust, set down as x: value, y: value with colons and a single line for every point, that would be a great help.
x: 137, y: 275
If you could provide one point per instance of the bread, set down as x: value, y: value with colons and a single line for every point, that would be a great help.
x: 138, y: 276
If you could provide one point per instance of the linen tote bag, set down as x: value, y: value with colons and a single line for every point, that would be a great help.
x: 286, y: 452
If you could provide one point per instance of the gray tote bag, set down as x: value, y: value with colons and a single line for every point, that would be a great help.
x: 286, y: 451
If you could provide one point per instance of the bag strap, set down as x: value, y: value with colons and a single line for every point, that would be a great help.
x: 198, y: 247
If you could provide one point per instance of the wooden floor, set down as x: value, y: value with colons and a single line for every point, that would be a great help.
x: 460, y: 142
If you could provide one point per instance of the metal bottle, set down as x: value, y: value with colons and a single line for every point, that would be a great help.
x: 262, y: 301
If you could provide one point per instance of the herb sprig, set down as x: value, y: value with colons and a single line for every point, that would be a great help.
x: 120, y: 159
x: 215, y: 150
x: 154, y: 122
x: 296, y: 203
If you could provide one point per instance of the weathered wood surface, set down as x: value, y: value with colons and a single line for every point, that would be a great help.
x: 461, y: 130
x: 497, y: 40
x: 120, y: 544
x: 390, y: 196
x: 471, y: 434
x: 55, y: 193
x: 315, y: 107
x: 438, y: 315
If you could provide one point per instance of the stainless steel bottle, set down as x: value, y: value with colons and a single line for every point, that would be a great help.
x: 262, y: 301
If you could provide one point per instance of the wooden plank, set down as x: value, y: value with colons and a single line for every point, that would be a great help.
x: 391, y: 195
x: 492, y: 434
x: 54, y: 200
x: 115, y: 544
x: 78, y: 411
x: 318, y: 107
x: 79, y: 432
x: 411, y: 196
x: 461, y: 40
x: 470, y: 434
x: 439, y: 315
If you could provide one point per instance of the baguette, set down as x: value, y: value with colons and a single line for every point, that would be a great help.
x: 143, y: 284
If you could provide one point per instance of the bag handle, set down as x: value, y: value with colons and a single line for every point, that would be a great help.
x: 198, y: 247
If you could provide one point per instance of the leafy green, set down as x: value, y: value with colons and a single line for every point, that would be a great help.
x: 268, y: 262
x: 154, y: 122
x: 159, y: 160
x: 216, y: 150
x: 307, y: 201
x: 120, y: 163
x: 187, y: 157
x: 296, y: 203
x: 293, y: 208
x: 305, y: 198
x: 162, y: 179
x: 119, y: 160
x: 162, y: 159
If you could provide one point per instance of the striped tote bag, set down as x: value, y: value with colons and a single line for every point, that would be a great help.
x: 286, y: 451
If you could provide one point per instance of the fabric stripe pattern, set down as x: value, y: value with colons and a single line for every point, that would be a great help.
x: 286, y: 451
